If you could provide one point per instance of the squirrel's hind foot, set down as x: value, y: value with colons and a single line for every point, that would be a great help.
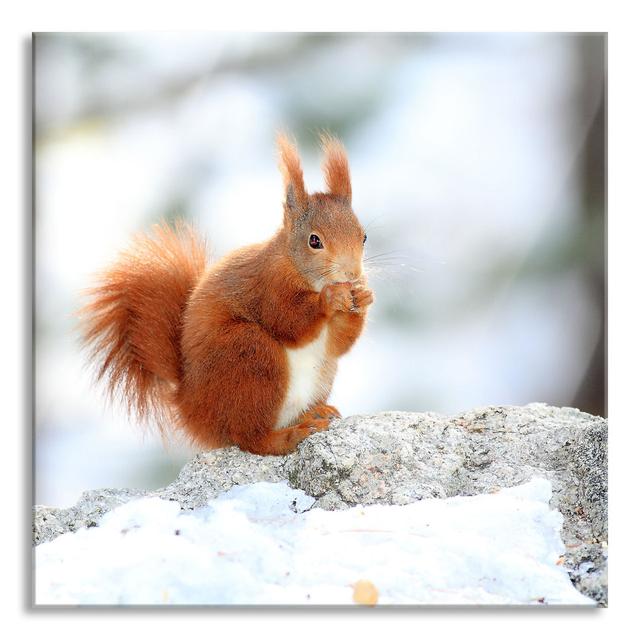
x: 320, y: 411
x: 282, y: 441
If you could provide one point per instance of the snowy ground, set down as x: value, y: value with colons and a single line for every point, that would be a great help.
x: 259, y: 544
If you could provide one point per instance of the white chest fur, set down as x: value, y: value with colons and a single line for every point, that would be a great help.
x: 310, y: 378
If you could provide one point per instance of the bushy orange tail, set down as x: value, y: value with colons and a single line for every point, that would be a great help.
x: 132, y: 323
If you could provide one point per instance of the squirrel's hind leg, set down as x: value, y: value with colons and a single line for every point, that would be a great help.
x: 321, y: 410
x: 282, y: 441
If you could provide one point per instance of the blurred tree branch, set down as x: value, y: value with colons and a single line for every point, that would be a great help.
x: 591, y: 395
x: 262, y: 60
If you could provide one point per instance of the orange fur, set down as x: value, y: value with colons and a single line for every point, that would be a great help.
x: 211, y: 349
x: 132, y: 322
x: 295, y: 192
x: 336, y: 167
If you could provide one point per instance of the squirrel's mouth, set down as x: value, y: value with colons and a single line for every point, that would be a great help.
x: 336, y: 274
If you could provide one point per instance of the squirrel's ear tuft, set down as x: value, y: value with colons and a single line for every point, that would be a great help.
x: 296, y: 198
x: 336, y: 167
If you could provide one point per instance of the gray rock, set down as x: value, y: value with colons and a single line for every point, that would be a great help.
x: 50, y: 522
x: 397, y: 458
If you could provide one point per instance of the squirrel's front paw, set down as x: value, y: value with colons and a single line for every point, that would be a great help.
x: 362, y: 298
x: 337, y: 297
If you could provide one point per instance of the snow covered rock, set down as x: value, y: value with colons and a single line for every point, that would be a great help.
x: 249, y: 546
x: 399, y: 458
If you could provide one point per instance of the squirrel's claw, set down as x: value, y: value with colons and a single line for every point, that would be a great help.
x: 362, y: 298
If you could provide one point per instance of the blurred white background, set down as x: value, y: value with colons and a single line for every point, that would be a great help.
x: 477, y: 161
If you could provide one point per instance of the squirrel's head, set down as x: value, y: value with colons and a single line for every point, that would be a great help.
x: 324, y: 238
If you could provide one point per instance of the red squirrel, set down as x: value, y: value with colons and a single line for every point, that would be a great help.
x: 242, y: 352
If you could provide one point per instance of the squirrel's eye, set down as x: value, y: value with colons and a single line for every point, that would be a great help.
x: 365, y: 238
x: 315, y: 242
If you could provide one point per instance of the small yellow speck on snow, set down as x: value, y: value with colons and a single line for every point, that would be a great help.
x: 365, y: 592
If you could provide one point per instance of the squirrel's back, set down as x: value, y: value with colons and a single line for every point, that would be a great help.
x: 132, y: 322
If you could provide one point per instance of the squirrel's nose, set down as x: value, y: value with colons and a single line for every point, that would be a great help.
x: 350, y: 267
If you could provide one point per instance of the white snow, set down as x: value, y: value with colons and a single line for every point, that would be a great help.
x: 259, y: 544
